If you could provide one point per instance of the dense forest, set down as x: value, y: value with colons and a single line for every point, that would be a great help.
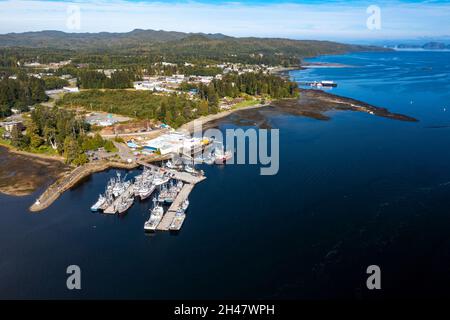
x: 254, y: 84
x: 61, y: 131
x: 52, y: 82
x: 144, y: 47
x: 176, y: 109
x: 91, y: 79
x: 20, y: 93
x: 171, y: 109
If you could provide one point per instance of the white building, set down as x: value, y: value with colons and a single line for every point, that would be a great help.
x: 174, y: 142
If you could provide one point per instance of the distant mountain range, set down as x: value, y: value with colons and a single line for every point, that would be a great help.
x: 167, y: 43
x: 433, y: 45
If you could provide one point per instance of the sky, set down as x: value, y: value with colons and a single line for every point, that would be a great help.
x: 326, y: 19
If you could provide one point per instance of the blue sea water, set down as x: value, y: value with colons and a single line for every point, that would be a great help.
x: 353, y: 191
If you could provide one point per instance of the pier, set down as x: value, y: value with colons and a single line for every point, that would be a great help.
x: 174, y: 174
x: 52, y: 193
x: 71, y: 179
x: 170, y: 214
x: 190, y: 180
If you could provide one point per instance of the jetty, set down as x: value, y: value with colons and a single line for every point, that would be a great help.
x: 72, y: 178
x: 170, y: 214
x: 69, y: 180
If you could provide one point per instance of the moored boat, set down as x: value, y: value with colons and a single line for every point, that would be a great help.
x: 99, y: 204
x: 156, y: 215
x: 178, y: 220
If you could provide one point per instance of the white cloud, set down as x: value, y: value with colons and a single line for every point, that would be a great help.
x: 332, y: 20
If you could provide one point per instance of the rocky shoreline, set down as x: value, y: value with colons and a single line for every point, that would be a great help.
x: 314, y: 103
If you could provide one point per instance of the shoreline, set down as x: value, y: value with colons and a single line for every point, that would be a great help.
x: 12, y: 149
x: 189, y: 126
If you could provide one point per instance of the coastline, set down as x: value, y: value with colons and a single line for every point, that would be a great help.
x: 311, y: 103
x: 12, y: 149
x: 22, y: 173
x: 189, y: 126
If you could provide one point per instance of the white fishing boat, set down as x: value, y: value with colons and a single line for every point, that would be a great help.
x: 120, y: 186
x: 209, y: 159
x: 178, y: 220
x: 160, y: 179
x: 124, y: 205
x: 221, y: 156
x: 171, y: 165
x: 188, y: 168
x: 146, y: 190
x: 99, y: 204
x: 156, y: 215
x: 185, y: 205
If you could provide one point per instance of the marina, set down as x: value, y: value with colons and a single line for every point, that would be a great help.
x: 172, y: 187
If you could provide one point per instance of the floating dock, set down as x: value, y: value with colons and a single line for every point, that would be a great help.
x: 170, y: 214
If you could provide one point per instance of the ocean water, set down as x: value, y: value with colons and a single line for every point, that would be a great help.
x: 354, y: 191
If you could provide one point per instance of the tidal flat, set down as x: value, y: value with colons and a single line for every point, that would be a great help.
x: 22, y: 174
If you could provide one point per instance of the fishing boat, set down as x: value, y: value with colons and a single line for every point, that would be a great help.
x: 124, y: 205
x: 160, y: 179
x: 146, y: 190
x: 178, y: 220
x: 171, y: 165
x: 188, y: 168
x: 156, y: 215
x: 221, y: 156
x: 168, y: 195
x: 185, y: 205
x: 209, y: 159
x: 99, y: 204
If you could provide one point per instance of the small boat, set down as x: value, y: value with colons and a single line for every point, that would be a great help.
x: 221, y: 157
x: 178, y: 220
x: 99, y: 204
x: 160, y: 180
x: 209, y: 160
x: 189, y: 169
x: 185, y: 205
x: 171, y: 165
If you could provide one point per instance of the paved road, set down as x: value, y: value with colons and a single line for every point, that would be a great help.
x: 124, y: 152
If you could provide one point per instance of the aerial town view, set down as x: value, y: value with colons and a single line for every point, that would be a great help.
x: 211, y: 151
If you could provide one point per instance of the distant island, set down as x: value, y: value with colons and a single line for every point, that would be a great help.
x: 433, y: 45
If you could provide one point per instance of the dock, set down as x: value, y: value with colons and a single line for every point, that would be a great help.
x: 170, y: 214
x: 71, y: 179
x: 127, y: 194
x: 183, y: 176
x: 190, y: 180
